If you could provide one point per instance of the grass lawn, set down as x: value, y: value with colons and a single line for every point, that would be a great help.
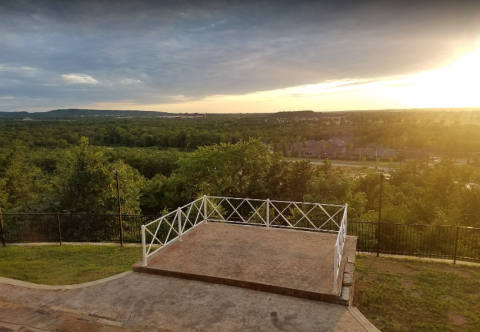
x: 66, y: 264
x: 401, y: 294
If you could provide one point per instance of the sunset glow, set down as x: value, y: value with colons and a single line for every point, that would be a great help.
x: 456, y: 85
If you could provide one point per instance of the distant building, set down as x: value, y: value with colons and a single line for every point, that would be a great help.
x: 339, y: 142
x: 192, y: 115
x: 335, y: 148
x: 311, y: 149
x: 315, y: 149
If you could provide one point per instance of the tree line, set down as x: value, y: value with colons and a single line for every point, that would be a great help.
x: 444, y: 132
x: 81, y: 179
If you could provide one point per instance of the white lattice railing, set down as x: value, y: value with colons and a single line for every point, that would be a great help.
x: 171, y: 227
x: 268, y: 213
x: 338, y: 249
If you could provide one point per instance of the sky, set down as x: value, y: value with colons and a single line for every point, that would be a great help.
x: 238, y: 56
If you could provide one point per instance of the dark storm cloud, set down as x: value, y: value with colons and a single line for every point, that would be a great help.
x: 59, y: 53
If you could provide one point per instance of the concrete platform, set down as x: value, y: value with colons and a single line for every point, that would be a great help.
x: 287, y: 262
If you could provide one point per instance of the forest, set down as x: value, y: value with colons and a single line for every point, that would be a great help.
x: 68, y: 165
x: 442, y: 131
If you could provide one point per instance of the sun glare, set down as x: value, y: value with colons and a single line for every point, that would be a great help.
x: 457, y: 85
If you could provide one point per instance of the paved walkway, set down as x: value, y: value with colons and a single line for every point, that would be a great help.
x: 143, y: 302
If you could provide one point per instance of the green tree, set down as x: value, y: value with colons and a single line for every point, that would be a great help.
x: 155, y: 195
x: 336, y: 188
x: 326, y: 166
x: 348, y: 148
x: 21, y: 183
x: 223, y: 170
x: 86, y: 183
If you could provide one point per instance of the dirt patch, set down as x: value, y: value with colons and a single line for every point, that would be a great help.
x: 458, y: 270
x: 448, y: 298
x: 358, y: 290
x: 407, y: 284
x: 395, y: 265
x: 456, y: 319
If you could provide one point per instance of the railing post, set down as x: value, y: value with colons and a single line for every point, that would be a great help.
x: 2, y: 229
x: 378, y: 239
x: 179, y: 219
x: 268, y: 213
x: 121, y: 229
x: 205, y: 217
x: 456, y: 244
x: 335, y: 268
x: 346, y: 219
x: 59, y: 229
x: 144, y: 247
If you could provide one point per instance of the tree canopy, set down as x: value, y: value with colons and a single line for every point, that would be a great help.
x: 68, y: 166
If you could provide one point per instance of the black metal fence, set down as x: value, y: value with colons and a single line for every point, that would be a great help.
x: 31, y: 228
x: 443, y: 242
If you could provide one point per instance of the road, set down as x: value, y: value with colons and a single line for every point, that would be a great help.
x: 348, y: 165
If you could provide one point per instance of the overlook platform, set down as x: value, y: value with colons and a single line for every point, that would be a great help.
x: 282, y: 261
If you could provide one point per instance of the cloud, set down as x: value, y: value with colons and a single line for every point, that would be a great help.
x: 150, y: 51
x: 130, y: 81
x: 22, y: 71
x: 179, y: 98
x: 79, y: 78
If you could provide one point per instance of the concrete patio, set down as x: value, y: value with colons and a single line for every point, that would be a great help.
x: 281, y: 261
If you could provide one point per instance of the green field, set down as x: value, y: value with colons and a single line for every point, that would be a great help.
x: 67, y: 264
x: 402, y: 294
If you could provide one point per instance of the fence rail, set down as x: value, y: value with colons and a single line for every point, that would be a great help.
x: 442, y: 242
x: 158, y: 233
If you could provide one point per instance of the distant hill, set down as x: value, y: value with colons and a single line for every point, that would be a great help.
x: 76, y: 113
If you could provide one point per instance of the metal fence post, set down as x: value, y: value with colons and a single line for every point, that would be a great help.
x: 268, y: 213
x: 59, y: 229
x: 456, y: 243
x: 205, y: 217
x: 378, y: 239
x: 144, y: 247
x: 179, y: 219
x: 121, y: 229
x: 379, y: 213
x: 2, y: 229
